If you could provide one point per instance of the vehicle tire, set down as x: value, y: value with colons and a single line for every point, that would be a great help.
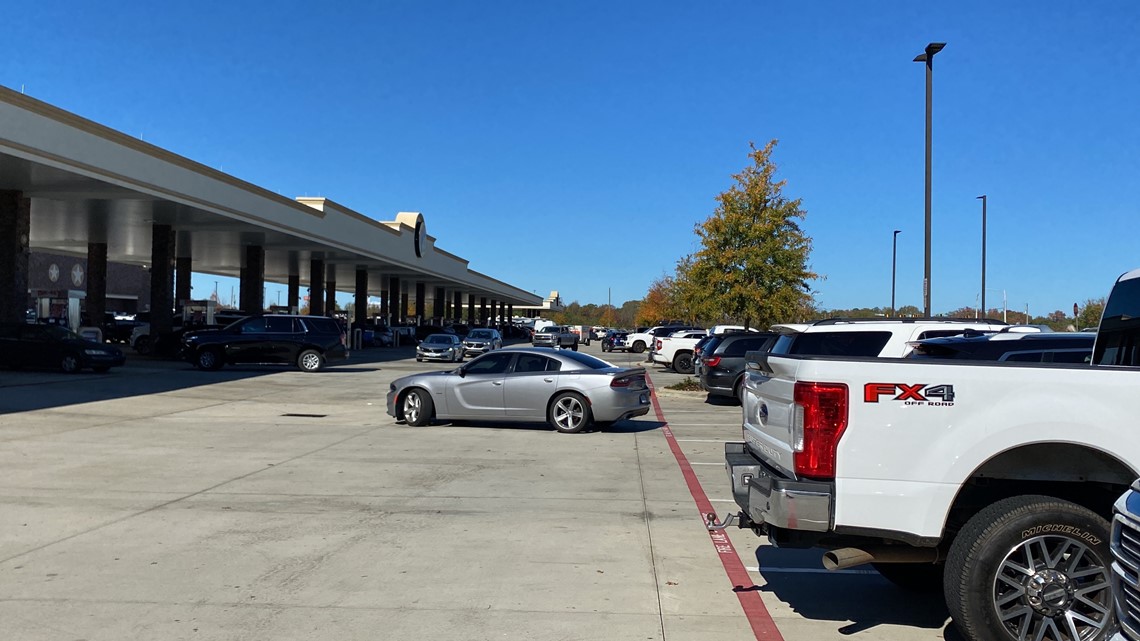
x: 419, y: 360
x: 683, y: 363
x: 1026, y: 566
x: 209, y: 359
x: 102, y: 369
x: 637, y: 347
x: 568, y: 413
x: 925, y: 578
x: 604, y: 348
x: 574, y: 347
x: 144, y: 345
x: 310, y: 360
x: 738, y: 390
x: 69, y: 363
x: 417, y: 407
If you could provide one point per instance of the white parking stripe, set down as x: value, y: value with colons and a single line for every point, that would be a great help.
x: 700, y: 440
x: 806, y: 571
x: 722, y: 500
x: 716, y: 464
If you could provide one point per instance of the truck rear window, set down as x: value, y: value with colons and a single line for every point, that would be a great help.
x: 839, y: 343
x: 1118, y: 341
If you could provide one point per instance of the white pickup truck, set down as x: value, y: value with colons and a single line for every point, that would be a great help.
x: 676, y: 350
x: 994, y: 481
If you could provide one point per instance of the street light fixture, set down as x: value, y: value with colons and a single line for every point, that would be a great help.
x: 928, y: 57
x: 894, y: 256
x: 983, y: 305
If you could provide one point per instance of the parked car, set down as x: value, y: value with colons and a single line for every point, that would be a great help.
x: 614, y: 340
x: 481, y: 341
x: 309, y: 342
x: 641, y: 340
x: 1051, y: 347
x: 1125, y: 545
x: 569, y: 390
x: 54, y: 346
x: 440, y: 347
x: 555, y: 336
x: 721, y: 368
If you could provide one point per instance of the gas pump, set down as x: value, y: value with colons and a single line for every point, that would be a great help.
x: 59, y: 307
x: 197, y: 313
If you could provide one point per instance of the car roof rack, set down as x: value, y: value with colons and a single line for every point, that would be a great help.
x: 923, y: 319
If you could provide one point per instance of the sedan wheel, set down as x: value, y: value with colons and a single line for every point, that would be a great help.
x: 569, y: 413
x: 417, y: 407
x: 209, y: 359
x: 70, y: 364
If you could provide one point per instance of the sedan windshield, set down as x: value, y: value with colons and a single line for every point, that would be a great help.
x: 439, y: 339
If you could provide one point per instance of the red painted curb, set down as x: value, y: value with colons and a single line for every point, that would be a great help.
x: 746, y: 591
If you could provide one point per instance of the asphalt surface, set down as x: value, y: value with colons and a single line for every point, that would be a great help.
x: 161, y: 502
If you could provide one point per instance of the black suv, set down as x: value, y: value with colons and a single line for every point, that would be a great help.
x: 721, y: 366
x: 1046, y: 347
x: 305, y: 341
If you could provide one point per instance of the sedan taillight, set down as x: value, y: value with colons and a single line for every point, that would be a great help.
x: 634, y: 382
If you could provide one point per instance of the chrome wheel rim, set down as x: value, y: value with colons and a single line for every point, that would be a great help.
x: 206, y: 359
x: 1055, y: 588
x: 569, y: 413
x: 310, y: 361
x: 412, y: 407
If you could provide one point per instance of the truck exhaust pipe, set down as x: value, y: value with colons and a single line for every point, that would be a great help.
x: 850, y: 557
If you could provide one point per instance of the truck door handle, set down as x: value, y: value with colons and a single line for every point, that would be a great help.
x: 548, y: 380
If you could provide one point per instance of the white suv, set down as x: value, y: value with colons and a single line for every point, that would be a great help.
x: 871, y: 337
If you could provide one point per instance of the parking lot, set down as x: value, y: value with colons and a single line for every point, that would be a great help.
x: 161, y: 502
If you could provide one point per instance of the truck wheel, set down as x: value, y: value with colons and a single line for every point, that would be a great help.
x: 637, y: 347
x: 143, y: 345
x: 568, y: 413
x: 1031, y: 567
x: 574, y: 347
x: 914, y: 577
x: 417, y: 407
x: 683, y: 363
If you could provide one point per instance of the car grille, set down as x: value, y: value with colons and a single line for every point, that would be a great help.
x: 1126, y: 572
x: 474, y: 345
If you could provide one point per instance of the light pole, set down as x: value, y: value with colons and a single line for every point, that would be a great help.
x: 928, y: 57
x: 894, y: 256
x: 983, y: 198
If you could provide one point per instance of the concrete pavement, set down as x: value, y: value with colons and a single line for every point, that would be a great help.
x: 160, y: 502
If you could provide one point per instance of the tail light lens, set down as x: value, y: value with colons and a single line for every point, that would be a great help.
x: 712, y: 362
x: 632, y: 382
x: 818, y: 421
x: 659, y: 344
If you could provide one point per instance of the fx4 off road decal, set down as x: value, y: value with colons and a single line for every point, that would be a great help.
x: 908, y: 394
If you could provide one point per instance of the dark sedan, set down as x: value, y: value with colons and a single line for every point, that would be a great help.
x: 53, y: 346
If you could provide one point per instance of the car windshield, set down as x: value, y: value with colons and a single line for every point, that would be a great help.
x: 480, y: 333
x: 439, y: 339
x: 590, y: 362
x: 548, y: 330
x: 59, y: 333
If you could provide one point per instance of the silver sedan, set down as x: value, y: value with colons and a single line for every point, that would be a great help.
x: 569, y: 390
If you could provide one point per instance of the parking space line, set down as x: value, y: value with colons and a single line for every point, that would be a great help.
x: 754, y: 609
x: 716, y: 464
x: 701, y: 440
x: 752, y: 568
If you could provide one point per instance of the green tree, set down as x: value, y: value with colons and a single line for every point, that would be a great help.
x: 752, y: 264
x: 1090, y: 313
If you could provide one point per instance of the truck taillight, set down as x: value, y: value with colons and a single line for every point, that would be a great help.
x: 659, y: 344
x: 712, y: 362
x: 818, y: 420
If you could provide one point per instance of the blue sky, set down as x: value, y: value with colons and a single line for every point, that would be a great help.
x: 573, y: 145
